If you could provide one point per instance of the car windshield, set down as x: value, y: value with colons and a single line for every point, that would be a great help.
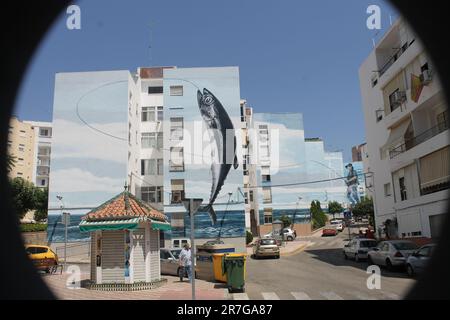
x: 368, y: 244
x: 265, y: 242
x: 405, y: 246
x: 176, y: 253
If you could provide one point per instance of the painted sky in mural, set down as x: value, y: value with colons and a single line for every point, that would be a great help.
x: 89, y: 147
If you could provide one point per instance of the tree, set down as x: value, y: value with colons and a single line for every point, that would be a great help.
x: 286, y: 221
x: 248, y: 237
x: 319, y: 218
x: 334, y: 207
x: 23, y: 196
x: 364, y: 208
x: 10, y: 162
x: 41, y: 204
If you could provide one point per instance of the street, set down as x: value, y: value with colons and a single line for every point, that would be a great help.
x: 319, y: 272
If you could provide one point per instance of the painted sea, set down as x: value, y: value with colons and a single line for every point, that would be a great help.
x: 229, y: 224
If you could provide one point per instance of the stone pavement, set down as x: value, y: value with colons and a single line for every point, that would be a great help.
x: 172, y: 290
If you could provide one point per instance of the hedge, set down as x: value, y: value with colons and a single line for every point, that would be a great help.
x: 33, y: 227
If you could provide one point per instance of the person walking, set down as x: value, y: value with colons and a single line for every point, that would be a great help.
x: 185, y: 262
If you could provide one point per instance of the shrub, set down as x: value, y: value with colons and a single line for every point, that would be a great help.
x: 33, y: 227
x: 248, y: 237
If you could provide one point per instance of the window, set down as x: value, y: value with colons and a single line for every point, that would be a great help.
x: 148, y: 167
x: 387, y: 189
x: 43, y: 182
x: 251, y: 195
x: 242, y: 113
x: 177, y: 186
x: 246, y: 197
x: 265, y: 151
x: 267, y: 215
x: 155, y: 90
x: 152, y: 140
x: 267, y: 194
x: 393, y: 102
x: 442, y: 121
x: 152, y: 194
x: 374, y: 81
x: 160, y: 166
x: 176, y: 90
x: 21, y: 147
x: 152, y: 114
x: 176, y: 162
x: 401, y: 182
x: 44, y: 132
x: 176, y: 128
x: 266, y: 177
x: 434, y: 171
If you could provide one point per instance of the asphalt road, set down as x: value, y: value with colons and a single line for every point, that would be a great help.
x: 319, y: 272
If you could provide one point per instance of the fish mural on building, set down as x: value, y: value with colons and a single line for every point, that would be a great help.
x: 218, y: 124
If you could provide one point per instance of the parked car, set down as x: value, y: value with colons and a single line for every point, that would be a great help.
x: 338, y: 223
x: 329, y: 230
x: 418, y: 260
x: 43, y: 257
x: 358, y: 248
x: 266, y: 247
x: 288, y: 234
x: 170, y: 262
x: 391, y: 253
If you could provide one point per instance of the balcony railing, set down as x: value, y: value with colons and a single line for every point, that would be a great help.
x: 394, y: 58
x: 424, y: 136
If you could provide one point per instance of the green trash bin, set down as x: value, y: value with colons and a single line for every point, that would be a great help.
x: 234, y: 267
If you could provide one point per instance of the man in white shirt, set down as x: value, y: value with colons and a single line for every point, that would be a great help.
x: 186, y: 262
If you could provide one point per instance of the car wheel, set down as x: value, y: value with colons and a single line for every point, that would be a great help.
x: 409, y: 270
x: 388, y: 264
x: 356, y: 257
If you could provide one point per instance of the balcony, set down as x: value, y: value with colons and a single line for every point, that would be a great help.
x: 424, y: 136
x: 397, y: 54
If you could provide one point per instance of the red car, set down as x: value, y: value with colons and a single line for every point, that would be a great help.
x: 329, y: 231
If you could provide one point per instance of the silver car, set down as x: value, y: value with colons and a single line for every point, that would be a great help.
x: 391, y: 253
x: 266, y: 247
x: 358, y: 248
x: 417, y: 262
x: 169, y: 261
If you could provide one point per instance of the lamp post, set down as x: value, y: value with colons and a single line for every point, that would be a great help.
x: 191, y: 205
x: 295, y: 211
x: 65, y: 219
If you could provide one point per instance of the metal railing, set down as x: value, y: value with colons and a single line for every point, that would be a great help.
x: 424, y: 136
x: 394, y: 58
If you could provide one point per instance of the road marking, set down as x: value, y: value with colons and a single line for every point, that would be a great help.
x: 311, y: 244
x: 330, y: 295
x: 270, y: 296
x: 300, y: 296
x: 392, y: 296
x: 362, y: 296
x: 240, y: 296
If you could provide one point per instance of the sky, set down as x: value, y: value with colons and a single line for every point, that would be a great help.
x: 293, y: 56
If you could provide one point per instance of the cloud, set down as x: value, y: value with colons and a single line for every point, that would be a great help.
x: 78, y: 180
x: 76, y: 140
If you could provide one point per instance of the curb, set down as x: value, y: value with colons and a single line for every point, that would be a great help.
x: 298, y: 250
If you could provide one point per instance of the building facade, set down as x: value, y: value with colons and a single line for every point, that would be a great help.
x: 21, y: 146
x: 42, y: 151
x: 407, y: 136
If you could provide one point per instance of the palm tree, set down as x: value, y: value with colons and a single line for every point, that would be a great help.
x: 10, y: 162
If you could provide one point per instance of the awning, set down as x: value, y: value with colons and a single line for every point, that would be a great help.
x: 158, y: 225
x: 123, y: 224
x: 397, y: 135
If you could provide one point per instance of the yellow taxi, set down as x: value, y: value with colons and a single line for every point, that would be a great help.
x: 43, y: 257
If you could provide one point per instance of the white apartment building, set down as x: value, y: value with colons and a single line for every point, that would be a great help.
x: 145, y: 135
x: 406, y: 122
x: 42, y: 152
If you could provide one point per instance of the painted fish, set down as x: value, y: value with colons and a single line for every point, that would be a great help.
x: 216, y: 118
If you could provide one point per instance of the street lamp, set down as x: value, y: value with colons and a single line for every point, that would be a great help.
x: 65, y: 216
x: 191, y: 205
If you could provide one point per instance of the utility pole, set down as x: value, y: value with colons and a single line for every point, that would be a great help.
x: 191, y: 205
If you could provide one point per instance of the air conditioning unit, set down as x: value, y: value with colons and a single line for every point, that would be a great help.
x: 426, y: 77
x: 399, y: 97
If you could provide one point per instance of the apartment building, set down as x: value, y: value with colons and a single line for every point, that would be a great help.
x: 21, y: 146
x: 42, y: 151
x: 407, y: 136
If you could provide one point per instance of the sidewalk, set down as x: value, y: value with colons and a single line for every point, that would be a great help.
x: 173, y: 290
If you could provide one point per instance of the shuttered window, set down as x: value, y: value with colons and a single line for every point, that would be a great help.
x: 435, y: 170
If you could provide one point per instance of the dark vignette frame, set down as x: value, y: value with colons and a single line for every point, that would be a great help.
x: 24, y: 24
